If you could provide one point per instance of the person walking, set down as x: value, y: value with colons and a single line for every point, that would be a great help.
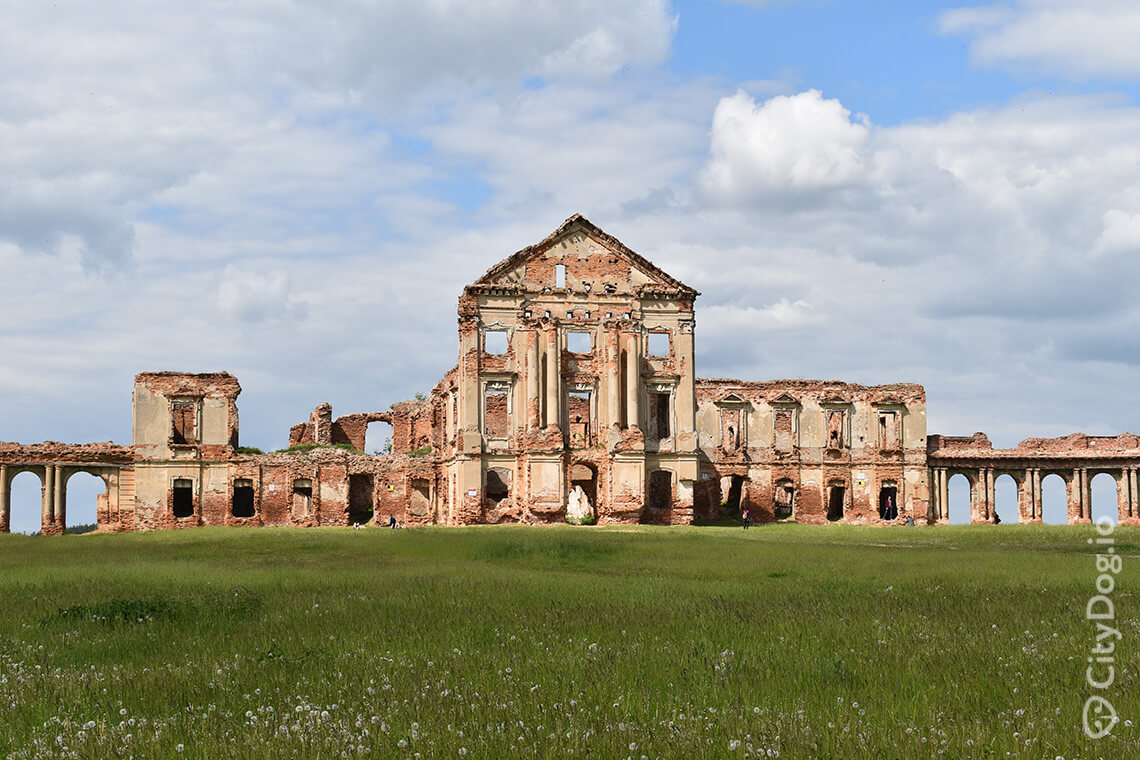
x: 392, y: 520
x: 747, y: 517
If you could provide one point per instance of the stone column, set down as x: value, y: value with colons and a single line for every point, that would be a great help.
x: 1134, y: 491
x: 59, y: 509
x: 1076, y: 491
x: 533, y: 371
x: 48, y: 496
x: 991, y: 495
x: 1037, y: 498
x: 944, y: 495
x: 978, y: 497
x: 613, y: 378
x: 5, y: 500
x: 1025, y: 497
x: 633, y: 377
x: 553, y: 378
x: 1086, y: 496
x: 1123, y: 495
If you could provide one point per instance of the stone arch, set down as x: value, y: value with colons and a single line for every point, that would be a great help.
x: 1105, y: 487
x: 25, y: 500
x: 84, y: 504
x: 958, y: 508
x: 1055, y: 496
x: 1008, y: 485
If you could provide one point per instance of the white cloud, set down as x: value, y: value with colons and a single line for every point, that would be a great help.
x: 788, y: 144
x: 1077, y: 40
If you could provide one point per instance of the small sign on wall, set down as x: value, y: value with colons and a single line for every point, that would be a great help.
x: 272, y: 488
x: 472, y: 492
x: 861, y: 479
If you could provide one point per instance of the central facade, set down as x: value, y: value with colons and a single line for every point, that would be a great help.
x: 574, y: 383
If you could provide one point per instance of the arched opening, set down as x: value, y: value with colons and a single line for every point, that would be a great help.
x: 960, y: 492
x: 660, y: 497
x: 785, y: 499
x: 378, y: 438
x: 836, y: 500
x: 1102, y: 488
x: 1005, y: 498
x: 498, y: 485
x: 360, y: 499
x: 1054, y: 500
x: 734, y: 493
x: 585, y: 477
x: 889, y: 500
x: 583, y: 501
x: 86, y: 493
x: 25, y: 492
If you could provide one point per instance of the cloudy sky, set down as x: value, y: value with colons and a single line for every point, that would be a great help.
x: 297, y: 191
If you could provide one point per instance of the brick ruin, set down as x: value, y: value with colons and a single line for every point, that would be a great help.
x: 575, y: 383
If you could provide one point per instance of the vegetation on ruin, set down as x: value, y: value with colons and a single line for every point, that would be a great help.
x: 422, y: 451
x: 301, y: 448
x: 783, y: 641
x: 248, y: 450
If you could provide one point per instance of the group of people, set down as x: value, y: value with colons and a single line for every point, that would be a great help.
x: 391, y: 523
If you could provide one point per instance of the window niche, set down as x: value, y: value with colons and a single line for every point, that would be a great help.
x: 889, y: 430
x: 733, y: 411
x: 837, y: 425
x: 658, y: 344
x: 560, y: 275
x: 182, y: 497
x: 785, y: 424
x: 785, y: 498
x: 242, y: 505
x: 302, y: 497
x: 495, y: 342
x: 579, y: 342
x: 184, y: 422
x: 496, y: 410
x: 579, y: 412
x: 660, y: 414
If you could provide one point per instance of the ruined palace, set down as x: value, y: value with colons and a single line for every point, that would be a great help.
x: 574, y: 396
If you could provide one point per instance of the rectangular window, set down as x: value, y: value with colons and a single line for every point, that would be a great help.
x: 559, y: 275
x: 496, y: 420
x: 659, y: 415
x: 302, y: 497
x: 784, y: 430
x: 578, y: 413
x: 495, y: 342
x: 183, y: 497
x: 243, y: 498
x: 579, y: 343
x: 836, y: 429
x: 658, y: 344
x: 888, y: 431
x: 184, y: 423
x: 730, y: 429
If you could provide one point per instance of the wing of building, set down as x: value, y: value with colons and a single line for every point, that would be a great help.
x: 574, y: 397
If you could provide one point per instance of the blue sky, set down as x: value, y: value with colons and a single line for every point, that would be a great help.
x: 296, y: 192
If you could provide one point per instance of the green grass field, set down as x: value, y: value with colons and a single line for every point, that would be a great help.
x: 783, y: 641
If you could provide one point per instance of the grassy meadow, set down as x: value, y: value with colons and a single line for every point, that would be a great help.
x: 501, y: 642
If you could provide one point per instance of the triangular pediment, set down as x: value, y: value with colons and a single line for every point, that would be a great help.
x: 785, y: 398
x: 733, y: 399
x: 592, y: 260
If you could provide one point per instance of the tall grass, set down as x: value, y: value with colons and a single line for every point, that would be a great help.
x: 783, y: 641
